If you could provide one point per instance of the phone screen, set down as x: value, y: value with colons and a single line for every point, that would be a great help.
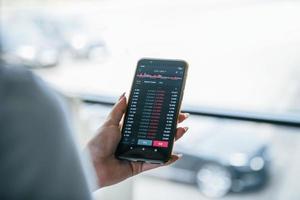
x: 151, y: 118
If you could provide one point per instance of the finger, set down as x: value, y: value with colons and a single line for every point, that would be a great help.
x: 182, y: 117
x: 122, y: 95
x: 174, y: 158
x: 149, y: 166
x: 117, y: 111
x: 180, y: 132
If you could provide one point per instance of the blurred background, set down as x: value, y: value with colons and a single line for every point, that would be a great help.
x: 244, y: 59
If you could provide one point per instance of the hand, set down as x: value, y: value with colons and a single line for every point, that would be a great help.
x: 102, y: 147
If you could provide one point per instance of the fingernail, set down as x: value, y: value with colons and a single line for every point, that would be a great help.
x: 122, y: 95
x: 187, y: 115
x: 180, y: 155
x: 186, y: 129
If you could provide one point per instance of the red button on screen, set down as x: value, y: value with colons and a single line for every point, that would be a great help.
x: 157, y: 143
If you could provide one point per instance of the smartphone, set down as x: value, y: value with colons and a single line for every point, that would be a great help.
x: 154, y: 102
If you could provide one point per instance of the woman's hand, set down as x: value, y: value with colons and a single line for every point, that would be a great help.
x: 102, y: 147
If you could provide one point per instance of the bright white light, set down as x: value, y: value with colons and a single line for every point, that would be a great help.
x: 238, y: 160
x: 26, y: 52
x: 214, y: 181
x: 257, y: 163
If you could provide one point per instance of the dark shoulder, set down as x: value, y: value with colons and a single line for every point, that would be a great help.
x: 14, y: 74
x: 19, y: 80
x: 33, y: 122
x: 21, y: 90
x: 14, y: 78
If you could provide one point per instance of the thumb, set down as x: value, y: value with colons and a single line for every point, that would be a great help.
x: 117, y: 111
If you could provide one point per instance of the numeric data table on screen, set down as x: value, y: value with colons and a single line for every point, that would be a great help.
x: 152, y: 106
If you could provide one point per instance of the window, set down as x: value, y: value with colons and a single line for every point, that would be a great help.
x: 243, y: 58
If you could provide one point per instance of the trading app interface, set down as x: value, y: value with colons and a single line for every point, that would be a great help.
x: 151, y: 115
